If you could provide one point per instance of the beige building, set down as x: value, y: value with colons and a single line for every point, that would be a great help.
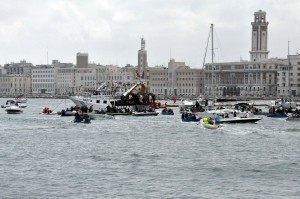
x: 176, y: 80
x: 14, y: 85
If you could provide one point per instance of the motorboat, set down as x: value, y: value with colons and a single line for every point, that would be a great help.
x: 67, y: 112
x: 167, y: 111
x: 144, y: 113
x: 94, y: 115
x: 189, y: 117
x: 277, y: 115
x: 293, y: 117
x: 82, y: 119
x: 8, y: 102
x: 240, y: 120
x: 13, y: 109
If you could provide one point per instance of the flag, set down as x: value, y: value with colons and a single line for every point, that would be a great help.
x: 174, y: 100
x: 137, y: 74
x: 142, y: 75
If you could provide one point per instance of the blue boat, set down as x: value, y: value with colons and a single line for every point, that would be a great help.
x: 190, y: 120
x: 189, y: 117
x: 277, y: 115
x: 166, y: 111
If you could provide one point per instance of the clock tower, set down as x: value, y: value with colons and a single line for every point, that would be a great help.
x: 259, y: 50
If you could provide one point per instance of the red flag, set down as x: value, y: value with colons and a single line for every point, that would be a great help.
x: 174, y: 100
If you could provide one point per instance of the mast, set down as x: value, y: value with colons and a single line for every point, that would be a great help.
x: 289, y: 66
x: 212, y: 61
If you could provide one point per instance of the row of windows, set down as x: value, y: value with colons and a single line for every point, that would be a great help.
x: 43, y: 71
x: 43, y: 80
x: 42, y: 85
x: 37, y: 76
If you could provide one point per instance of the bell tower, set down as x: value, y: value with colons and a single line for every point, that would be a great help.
x: 259, y: 50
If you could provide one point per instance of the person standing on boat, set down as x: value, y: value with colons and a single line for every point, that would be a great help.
x: 218, y: 119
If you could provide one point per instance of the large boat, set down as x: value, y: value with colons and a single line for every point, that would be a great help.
x: 106, y: 99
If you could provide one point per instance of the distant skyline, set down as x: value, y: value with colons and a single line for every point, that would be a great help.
x: 110, y: 31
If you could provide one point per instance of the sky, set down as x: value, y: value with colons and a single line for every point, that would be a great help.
x: 110, y: 31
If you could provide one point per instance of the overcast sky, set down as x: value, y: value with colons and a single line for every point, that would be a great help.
x: 110, y: 30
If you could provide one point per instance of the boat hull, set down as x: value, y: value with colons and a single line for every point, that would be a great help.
x: 210, y: 126
x: 239, y: 120
x: 145, y: 114
x: 277, y: 115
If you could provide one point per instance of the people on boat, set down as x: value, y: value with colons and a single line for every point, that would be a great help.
x: 77, y: 116
x: 205, y: 120
x: 234, y: 114
x: 211, y: 121
x: 217, y: 119
x: 91, y: 108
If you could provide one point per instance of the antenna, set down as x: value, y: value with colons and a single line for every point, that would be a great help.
x: 47, y: 56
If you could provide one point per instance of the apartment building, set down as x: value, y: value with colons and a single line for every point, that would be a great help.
x: 176, y: 80
x: 44, y: 80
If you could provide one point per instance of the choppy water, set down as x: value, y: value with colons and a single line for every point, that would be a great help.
x: 43, y: 156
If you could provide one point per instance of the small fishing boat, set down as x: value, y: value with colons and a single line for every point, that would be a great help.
x: 209, y: 126
x: 189, y: 117
x: 168, y: 111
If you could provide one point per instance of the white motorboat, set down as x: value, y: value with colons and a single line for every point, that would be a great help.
x: 9, y: 102
x: 14, y: 109
x: 240, y: 120
x: 144, y: 113
x: 93, y: 115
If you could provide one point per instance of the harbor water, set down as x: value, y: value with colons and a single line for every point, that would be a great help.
x: 49, y: 156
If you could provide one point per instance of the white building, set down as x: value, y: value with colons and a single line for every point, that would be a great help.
x: 43, y: 80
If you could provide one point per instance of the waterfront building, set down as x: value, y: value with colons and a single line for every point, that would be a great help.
x: 22, y: 68
x: 288, y: 84
x: 15, y: 84
x: 176, y: 80
x: 43, y: 80
x: 65, y: 77
x: 260, y: 77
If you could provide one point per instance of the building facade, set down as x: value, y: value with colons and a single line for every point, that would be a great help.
x: 260, y: 77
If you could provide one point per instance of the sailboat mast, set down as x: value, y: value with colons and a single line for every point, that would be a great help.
x: 212, y: 61
x: 289, y: 66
